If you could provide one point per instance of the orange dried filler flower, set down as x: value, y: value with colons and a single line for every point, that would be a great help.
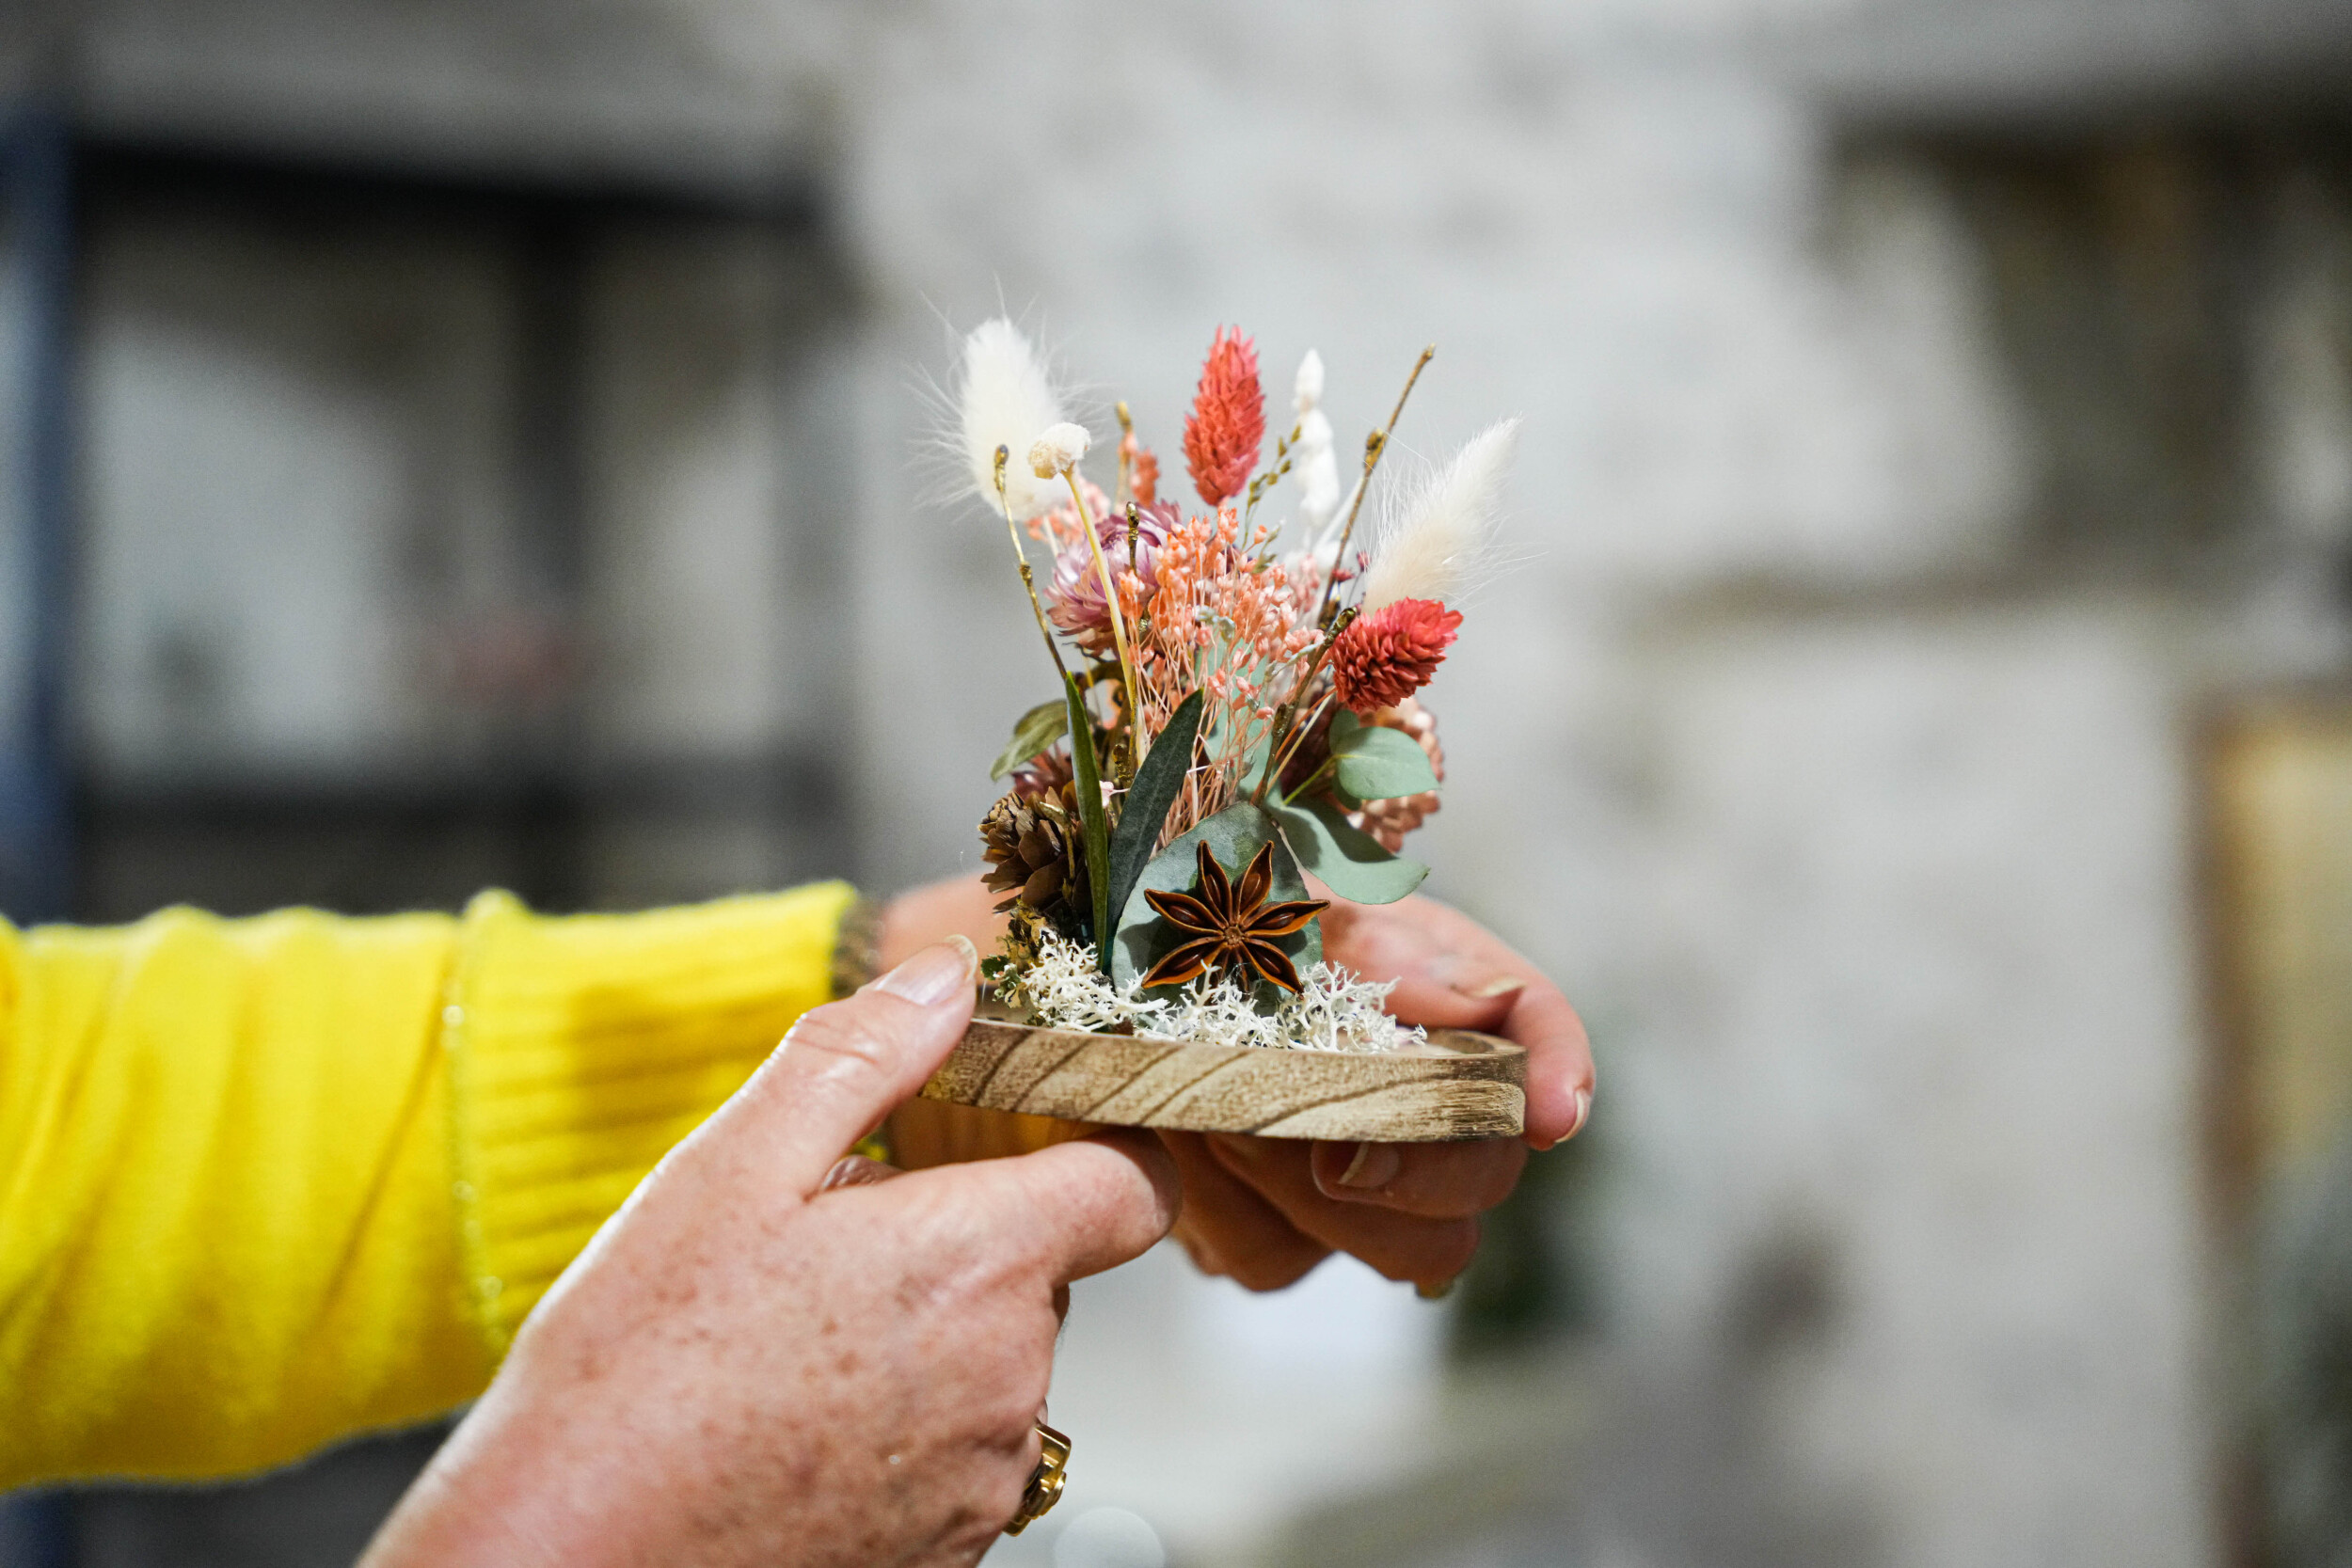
x: 1226, y: 424
x: 1386, y: 656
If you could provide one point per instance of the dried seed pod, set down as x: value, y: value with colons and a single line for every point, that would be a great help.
x: 1035, y: 855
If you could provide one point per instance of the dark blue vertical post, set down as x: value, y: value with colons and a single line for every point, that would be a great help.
x: 35, y: 533
x: 36, y: 470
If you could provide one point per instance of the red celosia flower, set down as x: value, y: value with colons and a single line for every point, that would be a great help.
x: 1226, y: 424
x: 1386, y: 656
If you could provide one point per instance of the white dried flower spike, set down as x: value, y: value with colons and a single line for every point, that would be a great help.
x: 1057, y: 451
x: 1004, y: 400
x: 1313, y: 459
x: 1307, y: 391
x: 1436, y: 543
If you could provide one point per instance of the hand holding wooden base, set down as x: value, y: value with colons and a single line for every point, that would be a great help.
x: 1458, y: 1086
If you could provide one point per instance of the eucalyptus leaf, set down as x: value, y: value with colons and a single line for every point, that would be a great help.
x: 1351, y: 862
x: 1245, y: 783
x: 1031, y: 733
x: 1233, y: 836
x: 1157, y: 785
x: 1088, y: 782
x: 1373, y: 762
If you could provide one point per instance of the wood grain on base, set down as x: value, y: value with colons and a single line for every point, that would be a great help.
x: 1460, y: 1085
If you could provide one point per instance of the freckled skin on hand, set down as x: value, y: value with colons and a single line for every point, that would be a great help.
x: 725, y: 1378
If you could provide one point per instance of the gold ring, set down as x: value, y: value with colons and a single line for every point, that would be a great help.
x: 1044, y: 1489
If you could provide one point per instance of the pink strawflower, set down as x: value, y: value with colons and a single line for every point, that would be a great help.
x: 1386, y: 656
x: 1073, y: 597
x: 1226, y: 424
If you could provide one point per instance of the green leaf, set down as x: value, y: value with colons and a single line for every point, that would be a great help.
x: 1233, y: 835
x: 1154, y: 789
x: 1375, y: 763
x: 1031, y: 733
x: 1351, y: 864
x: 1252, y: 765
x: 1089, y: 790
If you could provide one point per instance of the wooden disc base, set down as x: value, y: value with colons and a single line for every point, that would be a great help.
x: 1458, y: 1086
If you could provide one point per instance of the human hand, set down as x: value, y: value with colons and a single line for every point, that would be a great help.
x: 1265, y: 1210
x: 768, y: 1358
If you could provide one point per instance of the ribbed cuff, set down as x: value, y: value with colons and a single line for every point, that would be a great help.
x: 582, y: 1049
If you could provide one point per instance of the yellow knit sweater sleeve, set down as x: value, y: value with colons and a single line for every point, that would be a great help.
x: 268, y: 1182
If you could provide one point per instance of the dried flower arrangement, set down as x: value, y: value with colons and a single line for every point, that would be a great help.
x: 1237, y: 705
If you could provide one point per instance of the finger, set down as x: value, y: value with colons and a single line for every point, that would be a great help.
x: 1451, y: 972
x: 1559, y: 1064
x: 1084, y: 1207
x: 1438, y: 985
x: 856, y: 1170
x: 1228, y: 1229
x: 844, y: 1064
x: 1399, y: 1246
x: 1444, y: 1181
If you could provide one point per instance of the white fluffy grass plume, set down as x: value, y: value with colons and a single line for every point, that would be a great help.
x: 1435, y: 541
x: 1006, y: 399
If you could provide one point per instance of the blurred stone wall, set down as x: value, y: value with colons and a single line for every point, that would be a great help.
x: 1929, y: 409
x: 1893, y: 499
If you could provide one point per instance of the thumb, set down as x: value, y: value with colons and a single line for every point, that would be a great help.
x: 844, y: 1065
x: 1080, y: 1207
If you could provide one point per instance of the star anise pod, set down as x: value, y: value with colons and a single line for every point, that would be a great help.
x: 1231, y: 926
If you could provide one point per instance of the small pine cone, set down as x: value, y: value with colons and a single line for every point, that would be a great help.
x: 1034, y: 853
x: 1389, y: 821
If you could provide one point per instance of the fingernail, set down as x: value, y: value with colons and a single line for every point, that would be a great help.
x: 1375, y: 1166
x: 1501, y: 984
x: 935, y: 974
x: 854, y: 1170
x: 1438, y: 1292
x: 1583, y: 1109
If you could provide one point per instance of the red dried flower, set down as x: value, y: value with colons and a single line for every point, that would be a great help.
x: 1386, y: 656
x: 1226, y: 424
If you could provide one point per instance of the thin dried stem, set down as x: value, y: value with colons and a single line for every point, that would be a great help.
x: 1111, y: 603
x: 1375, y: 445
x: 1298, y: 738
x: 1028, y: 581
x: 1280, y: 729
